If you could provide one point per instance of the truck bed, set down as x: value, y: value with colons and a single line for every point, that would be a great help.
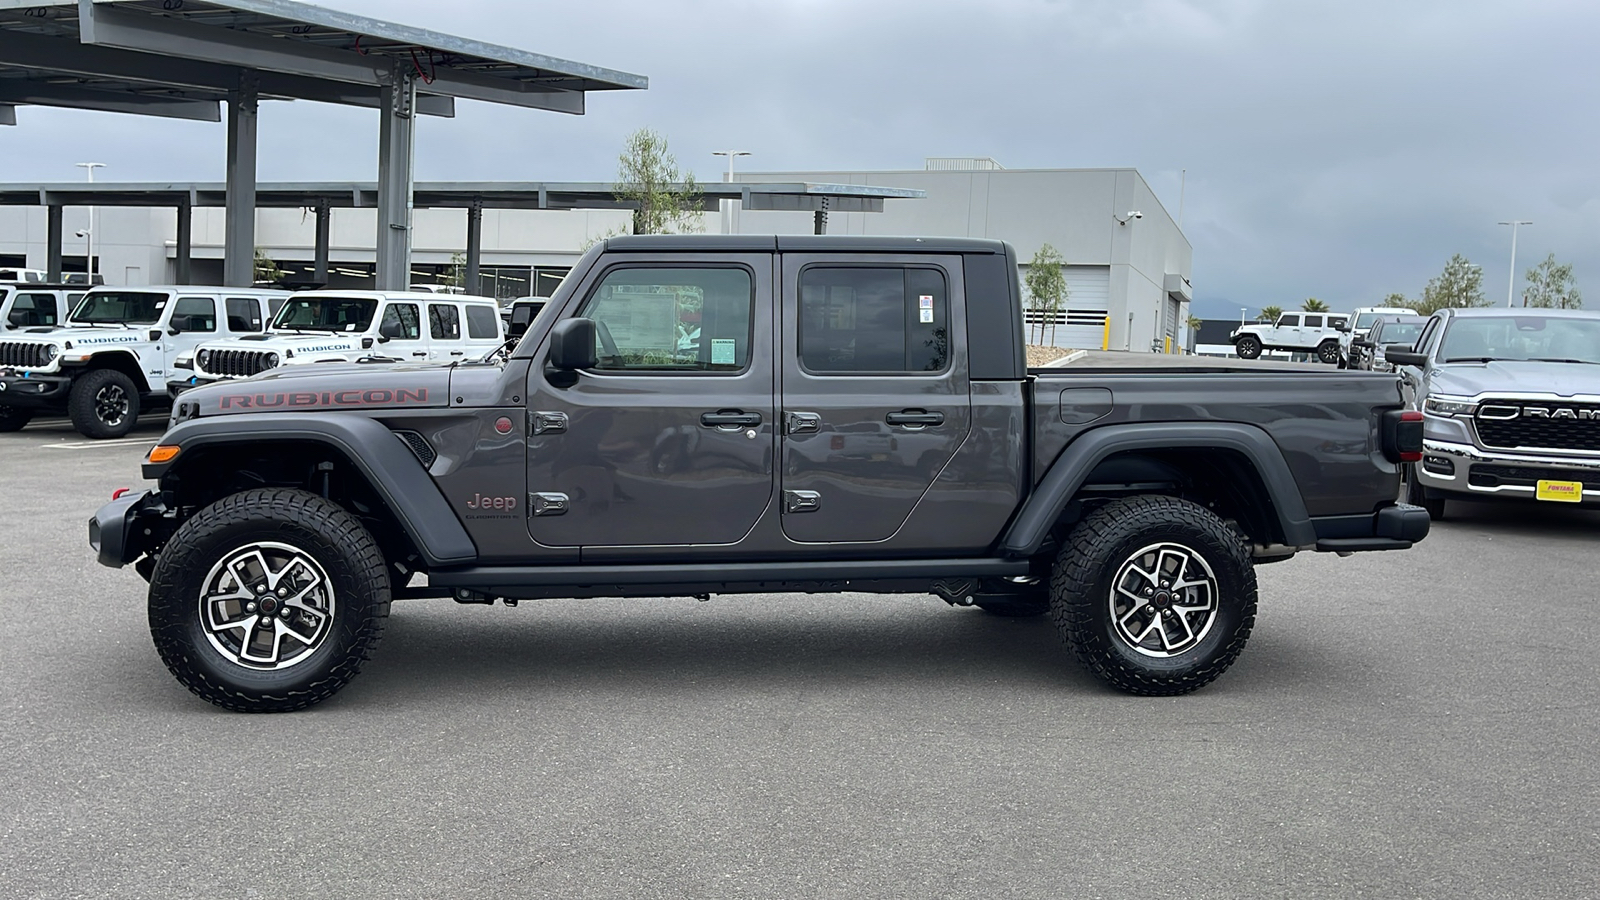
x: 1124, y: 361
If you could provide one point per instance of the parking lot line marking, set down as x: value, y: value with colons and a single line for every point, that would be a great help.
x: 86, y: 445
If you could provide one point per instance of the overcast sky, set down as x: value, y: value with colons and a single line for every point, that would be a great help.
x: 1337, y: 150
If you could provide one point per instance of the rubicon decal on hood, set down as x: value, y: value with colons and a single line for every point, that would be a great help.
x: 315, y: 400
x: 119, y: 339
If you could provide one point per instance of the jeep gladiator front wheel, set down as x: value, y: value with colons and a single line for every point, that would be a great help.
x: 268, y: 601
x: 1248, y: 347
x: 1155, y: 595
x: 104, y: 404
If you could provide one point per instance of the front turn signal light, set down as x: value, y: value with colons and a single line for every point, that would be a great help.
x: 163, y: 453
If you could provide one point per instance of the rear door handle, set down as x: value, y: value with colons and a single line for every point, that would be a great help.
x: 730, y: 418
x: 458, y: 352
x: 419, y: 353
x: 914, y: 418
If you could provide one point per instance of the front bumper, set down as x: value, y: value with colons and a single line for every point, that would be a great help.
x: 35, y: 391
x: 1468, y: 471
x: 128, y: 528
x: 179, y: 385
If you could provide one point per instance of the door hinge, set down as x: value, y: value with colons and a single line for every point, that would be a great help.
x: 547, y: 422
x: 548, y: 504
x: 801, y: 501
x: 802, y: 423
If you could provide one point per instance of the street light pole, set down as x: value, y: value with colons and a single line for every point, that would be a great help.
x: 89, y: 167
x: 1511, y: 283
x: 727, y: 205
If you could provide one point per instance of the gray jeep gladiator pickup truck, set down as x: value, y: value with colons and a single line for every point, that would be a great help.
x: 744, y: 414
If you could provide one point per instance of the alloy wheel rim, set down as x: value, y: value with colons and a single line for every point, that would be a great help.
x: 111, y: 405
x: 1163, y: 600
x: 267, y: 606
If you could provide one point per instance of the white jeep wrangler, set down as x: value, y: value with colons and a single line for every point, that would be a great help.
x: 114, y: 354
x: 24, y: 306
x: 1296, y: 332
x: 352, y: 326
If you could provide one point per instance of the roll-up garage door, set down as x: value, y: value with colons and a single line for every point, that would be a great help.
x: 1081, y: 321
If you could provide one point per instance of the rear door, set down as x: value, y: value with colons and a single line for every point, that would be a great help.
x: 874, y: 387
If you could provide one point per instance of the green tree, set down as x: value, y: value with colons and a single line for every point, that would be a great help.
x: 1460, y: 285
x: 265, y: 269
x: 1194, y: 322
x: 1396, y: 301
x: 1047, y: 285
x: 1551, y: 286
x: 1312, y: 304
x: 1269, y: 314
x: 648, y: 180
x: 458, y: 271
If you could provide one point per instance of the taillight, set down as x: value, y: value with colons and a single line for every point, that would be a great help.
x: 1402, y: 436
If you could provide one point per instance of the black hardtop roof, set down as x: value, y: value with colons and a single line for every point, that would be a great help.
x: 802, y: 243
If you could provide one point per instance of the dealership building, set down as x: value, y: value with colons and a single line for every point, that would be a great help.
x: 1127, y: 261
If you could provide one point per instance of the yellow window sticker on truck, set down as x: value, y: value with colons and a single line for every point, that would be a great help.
x: 1561, y: 491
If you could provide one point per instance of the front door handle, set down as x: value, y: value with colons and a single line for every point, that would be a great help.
x: 458, y: 353
x: 915, y: 418
x: 419, y: 353
x: 730, y: 418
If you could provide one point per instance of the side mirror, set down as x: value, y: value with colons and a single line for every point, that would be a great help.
x: 521, y: 317
x: 1403, y: 355
x: 178, y: 325
x: 572, y: 345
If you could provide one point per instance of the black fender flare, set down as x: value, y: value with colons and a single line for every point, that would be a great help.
x: 1032, y: 525
x: 388, y: 464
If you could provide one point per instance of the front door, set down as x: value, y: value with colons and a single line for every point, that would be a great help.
x: 670, y: 439
x: 195, y: 319
x: 875, y: 396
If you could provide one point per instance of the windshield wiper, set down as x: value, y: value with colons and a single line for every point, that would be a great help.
x: 1482, y: 359
x: 1586, y: 362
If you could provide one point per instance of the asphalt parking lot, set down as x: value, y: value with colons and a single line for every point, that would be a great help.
x: 1418, y: 724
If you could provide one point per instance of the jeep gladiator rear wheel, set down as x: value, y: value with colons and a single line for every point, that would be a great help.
x: 1155, y: 595
x: 13, y: 419
x: 268, y: 601
x: 1249, y: 347
x: 104, y: 404
x: 1328, y: 352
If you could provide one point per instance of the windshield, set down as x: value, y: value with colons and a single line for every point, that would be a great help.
x: 1510, y: 337
x: 312, y: 313
x: 1400, y: 333
x: 1365, y: 320
x: 119, y: 307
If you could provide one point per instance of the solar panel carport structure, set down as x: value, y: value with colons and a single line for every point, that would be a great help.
x: 186, y: 58
x: 475, y: 197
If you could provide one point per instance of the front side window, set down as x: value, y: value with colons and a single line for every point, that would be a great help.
x: 32, y: 310
x: 444, y: 321
x: 673, y: 319
x: 195, y: 314
x: 1289, y: 321
x: 309, y: 312
x: 874, y: 320
x: 401, y: 322
x: 483, y: 323
x: 244, y: 315
x: 1398, y: 333
x: 120, y: 307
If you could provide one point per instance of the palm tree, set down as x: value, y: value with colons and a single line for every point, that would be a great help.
x: 1312, y: 304
x: 1270, y: 314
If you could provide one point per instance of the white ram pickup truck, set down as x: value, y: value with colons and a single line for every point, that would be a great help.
x: 352, y: 326
x: 115, y: 353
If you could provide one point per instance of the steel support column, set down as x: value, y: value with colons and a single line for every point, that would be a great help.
x: 819, y: 223
x: 324, y: 241
x: 55, y: 233
x: 396, y: 158
x: 182, y: 270
x: 239, y: 242
x: 474, y: 246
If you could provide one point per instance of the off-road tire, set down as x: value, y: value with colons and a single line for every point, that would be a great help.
x: 13, y: 419
x: 90, y: 396
x: 1101, y: 547
x: 1328, y: 352
x: 1417, y: 495
x: 1248, y: 347
x: 331, y: 537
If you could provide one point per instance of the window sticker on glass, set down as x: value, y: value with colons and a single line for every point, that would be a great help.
x: 926, y: 316
x: 722, y: 351
x: 161, y: 304
x: 925, y: 301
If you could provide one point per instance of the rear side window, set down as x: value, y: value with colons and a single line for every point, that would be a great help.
x: 31, y: 310
x: 483, y: 323
x: 244, y: 314
x: 1313, y: 321
x: 401, y: 322
x: 878, y: 320
x: 444, y: 321
x: 195, y: 314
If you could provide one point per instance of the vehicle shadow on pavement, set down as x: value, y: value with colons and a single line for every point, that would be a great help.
x: 1525, y: 518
